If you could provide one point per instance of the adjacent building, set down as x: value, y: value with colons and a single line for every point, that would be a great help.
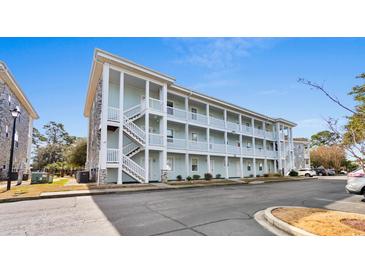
x: 301, y: 153
x: 12, y: 96
x: 141, y: 123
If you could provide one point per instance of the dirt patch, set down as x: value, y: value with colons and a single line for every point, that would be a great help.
x: 323, y: 222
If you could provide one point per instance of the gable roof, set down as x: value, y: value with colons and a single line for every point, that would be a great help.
x: 9, y: 79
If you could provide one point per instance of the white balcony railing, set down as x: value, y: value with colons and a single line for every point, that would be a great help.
x: 217, y: 122
x: 270, y: 135
x: 246, y: 130
x: 176, y: 143
x: 155, y: 139
x: 233, y: 149
x: 272, y: 153
x: 112, y: 155
x: 247, y: 151
x: 198, y: 118
x: 156, y: 105
x: 218, y: 148
x: 176, y: 113
x: 259, y: 133
x: 201, y: 146
x: 113, y: 114
x: 233, y: 126
x: 260, y: 152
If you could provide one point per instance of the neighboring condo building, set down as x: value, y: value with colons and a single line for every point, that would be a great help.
x: 12, y: 96
x: 301, y: 153
x: 141, y: 122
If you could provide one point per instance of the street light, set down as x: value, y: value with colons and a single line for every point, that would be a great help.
x: 15, y: 114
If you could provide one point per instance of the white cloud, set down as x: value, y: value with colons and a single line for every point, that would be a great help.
x: 217, y: 53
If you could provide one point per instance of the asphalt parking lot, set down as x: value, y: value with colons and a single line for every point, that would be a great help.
x: 223, y: 210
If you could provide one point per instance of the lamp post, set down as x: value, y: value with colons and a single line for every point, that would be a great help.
x: 15, y: 114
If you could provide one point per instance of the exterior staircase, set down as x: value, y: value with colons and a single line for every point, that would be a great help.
x: 138, y: 135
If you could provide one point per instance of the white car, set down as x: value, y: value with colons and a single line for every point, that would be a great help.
x: 307, y: 172
x: 356, y: 182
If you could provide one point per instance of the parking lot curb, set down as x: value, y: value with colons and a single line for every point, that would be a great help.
x: 292, y: 230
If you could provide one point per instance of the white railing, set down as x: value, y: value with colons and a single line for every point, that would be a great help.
x: 112, y: 155
x: 217, y: 122
x: 133, y: 128
x: 233, y: 149
x: 176, y: 143
x: 272, y: 153
x: 233, y: 126
x: 260, y: 152
x: 270, y: 135
x: 156, y: 105
x: 113, y: 114
x: 133, y: 167
x: 201, y: 146
x: 155, y: 139
x: 259, y: 132
x: 246, y: 130
x: 133, y: 111
x: 176, y: 113
x: 247, y: 151
x: 198, y: 118
x: 220, y: 148
x: 129, y: 148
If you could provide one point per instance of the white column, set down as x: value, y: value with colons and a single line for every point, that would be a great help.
x: 29, y: 147
x: 147, y: 129
x: 278, y: 138
x: 164, y: 121
x: 240, y: 121
x: 265, y: 150
x: 284, y: 149
x: 291, y: 140
x: 225, y: 118
x: 208, y: 115
x: 226, y: 166
x: 254, y: 156
x: 187, y: 165
x: 121, y: 120
x: 241, y: 147
x: 208, y: 164
x: 104, y: 120
x: 187, y: 108
x: 208, y: 158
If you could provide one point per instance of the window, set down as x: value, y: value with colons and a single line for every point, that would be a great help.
x: 194, y: 137
x: 194, y: 115
x: 6, y: 131
x: 194, y: 164
x: 249, y: 167
x: 170, y: 135
x: 170, y: 163
x: 9, y: 100
x: 247, y: 124
x: 306, y: 161
x: 260, y: 167
x: 248, y: 144
x: 170, y: 107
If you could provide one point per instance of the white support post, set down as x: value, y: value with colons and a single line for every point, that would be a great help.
x: 284, y: 148
x: 121, y: 120
x: 147, y: 129
x: 187, y: 165
x: 225, y: 118
x: 208, y: 158
x: 254, y: 156
x: 208, y: 113
x: 241, y: 152
x: 208, y: 164
x: 278, y: 130
x: 187, y: 109
x: 265, y: 148
x: 104, y: 122
x: 29, y: 147
x: 226, y: 166
x: 164, y: 123
x: 240, y: 121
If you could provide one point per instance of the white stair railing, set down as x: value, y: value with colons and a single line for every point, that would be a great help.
x: 127, y: 149
x: 134, y: 129
x: 133, y: 111
x: 133, y: 169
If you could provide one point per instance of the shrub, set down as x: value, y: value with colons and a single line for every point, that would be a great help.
x: 196, y: 177
x: 276, y: 175
x: 293, y: 173
x: 188, y: 178
x: 218, y: 176
x: 179, y: 177
x: 251, y: 176
x: 266, y: 174
x: 208, y: 176
x: 258, y: 175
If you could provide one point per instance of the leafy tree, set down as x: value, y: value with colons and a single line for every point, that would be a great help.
x: 56, y: 134
x: 325, y: 138
x: 76, y: 154
x: 328, y: 156
x: 38, y: 138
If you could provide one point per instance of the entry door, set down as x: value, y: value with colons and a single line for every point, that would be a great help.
x: 153, y: 169
x: 212, y: 166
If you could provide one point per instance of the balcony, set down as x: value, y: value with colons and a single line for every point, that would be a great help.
x: 156, y: 105
x: 219, y: 123
x: 233, y: 149
x: 112, y: 155
x: 198, y: 118
x: 271, y: 153
x: 176, y: 143
x: 200, y: 146
x: 176, y: 113
x: 218, y: 148
x: 270, y: 135
x: 155, y: 139
x: 113, y: 114
x: 233, y: 126
x: 259, y: 133
x: 246, y: 130
x: 247, y: 151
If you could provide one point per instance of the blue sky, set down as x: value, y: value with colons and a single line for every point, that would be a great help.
x: 257, y: 73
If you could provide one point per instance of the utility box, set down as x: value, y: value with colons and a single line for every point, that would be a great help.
x: 82, y: 177
x: 41, y: 178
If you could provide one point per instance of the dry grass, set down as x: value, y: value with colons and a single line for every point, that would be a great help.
x: 323, y: 222
x: 200, y: 182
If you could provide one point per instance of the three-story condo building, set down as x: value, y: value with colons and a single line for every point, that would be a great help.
x: 141, y: 122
